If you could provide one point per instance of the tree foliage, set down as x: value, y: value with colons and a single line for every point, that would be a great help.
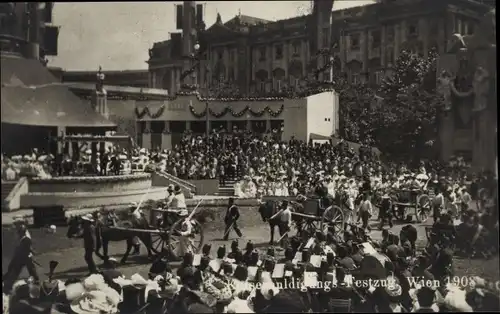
x: 400, y: 118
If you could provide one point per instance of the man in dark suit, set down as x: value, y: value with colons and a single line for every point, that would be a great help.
x: 23, y: 257
x: 104, y: 163
x: 89, y: 242
x: 231, y: 219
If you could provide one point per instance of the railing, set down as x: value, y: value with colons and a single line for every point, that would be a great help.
x: 162, y: 176
x: 179, y: 181
x: 13, y: 200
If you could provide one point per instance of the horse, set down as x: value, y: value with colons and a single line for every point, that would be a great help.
x: 409, y: 232
x: 104, y: 234
x: 271, y: 207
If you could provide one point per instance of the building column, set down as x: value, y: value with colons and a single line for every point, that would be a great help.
x: 229, y: 126
x: 188, y: 125
x: 397, y: 41
x: 172, y: 79
x: 424, y: 37
x: 383, y: 48
x: 166, y: 137
x: 268, y: 125
x: 61, y: 132
x: 248, y: 125
x: 364, y: 51
x: 441, y: 35
x: 146, y: 136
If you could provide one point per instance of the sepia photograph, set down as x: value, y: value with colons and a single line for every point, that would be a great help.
x: 187, y: 157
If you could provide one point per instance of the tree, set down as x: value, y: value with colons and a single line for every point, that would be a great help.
x: 408, y: 118
x: 405, y: 120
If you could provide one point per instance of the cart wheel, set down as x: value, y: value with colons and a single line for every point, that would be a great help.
x: 159, y: 241
x: 423, y: 208
x: 196, y: 238
x: 333, y: 219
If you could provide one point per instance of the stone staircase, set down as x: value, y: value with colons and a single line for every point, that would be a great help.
x: 7, y: 187
x: 227, y: 189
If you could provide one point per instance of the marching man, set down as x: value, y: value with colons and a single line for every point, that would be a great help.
x: 285, y: 220
x: 231, y: 218
x: 23, y: 257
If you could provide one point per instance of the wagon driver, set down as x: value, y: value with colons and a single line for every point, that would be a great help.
x: 23, y: 257
x: 178, y: 202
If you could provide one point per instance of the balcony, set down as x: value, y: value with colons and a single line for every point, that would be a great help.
x: 13, y: 45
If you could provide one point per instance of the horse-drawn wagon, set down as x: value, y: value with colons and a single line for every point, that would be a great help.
x: 419, y: 200
x: 166, y: 232
x: 310, y: 216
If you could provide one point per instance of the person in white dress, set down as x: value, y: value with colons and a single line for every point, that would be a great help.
x: 178, y: 202
x: 237, y: 190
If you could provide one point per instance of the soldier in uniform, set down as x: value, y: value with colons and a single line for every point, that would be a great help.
x: 231, y: 219
x: 23, y: 257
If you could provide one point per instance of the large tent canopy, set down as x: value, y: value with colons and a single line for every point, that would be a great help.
x: 31, y: 95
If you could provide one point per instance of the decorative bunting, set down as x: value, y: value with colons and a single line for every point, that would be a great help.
x: 141, y: 114
x: 235, y: 114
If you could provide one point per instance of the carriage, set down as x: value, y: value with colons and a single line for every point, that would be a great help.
x: 165, y: 226
x: 310, y: 218
x: 404, y: 199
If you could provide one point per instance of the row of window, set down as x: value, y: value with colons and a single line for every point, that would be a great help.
x: 376, y: 37
x: 277, y: 50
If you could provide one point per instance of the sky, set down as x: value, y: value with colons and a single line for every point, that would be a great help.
x: 117, y: 35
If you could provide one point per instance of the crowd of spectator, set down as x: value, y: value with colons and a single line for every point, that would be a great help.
x: 260, y: 165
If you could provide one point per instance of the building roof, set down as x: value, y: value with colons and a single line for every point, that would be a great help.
x: 245, y: 20
x: 145, y: 71
x: 31, y: 95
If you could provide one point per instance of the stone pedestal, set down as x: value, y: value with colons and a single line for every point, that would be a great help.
x: 100, y: 103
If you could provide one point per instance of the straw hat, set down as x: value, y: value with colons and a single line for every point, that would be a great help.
x: 88, y: 217
x: 93, y: 302
x: 19, y: 220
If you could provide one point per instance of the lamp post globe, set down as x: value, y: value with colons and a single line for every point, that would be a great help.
x: 197, y: 47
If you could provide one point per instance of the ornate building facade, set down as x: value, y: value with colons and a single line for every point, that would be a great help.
x: 26, y: 30
x: 249, y: 55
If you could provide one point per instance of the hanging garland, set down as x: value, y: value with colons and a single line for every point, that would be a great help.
x: 239, y: 114
x: 197, y: 114
x: 141, y: 114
